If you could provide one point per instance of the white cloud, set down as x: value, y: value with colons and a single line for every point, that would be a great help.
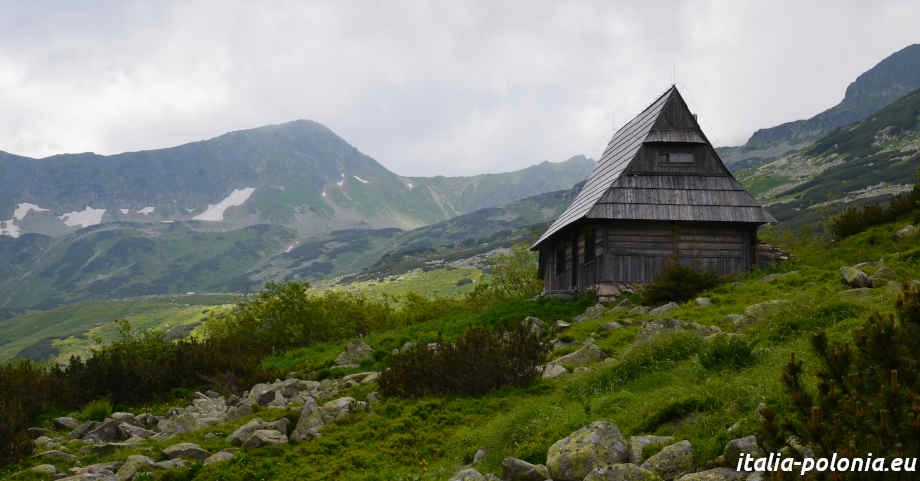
x: 425, y: 88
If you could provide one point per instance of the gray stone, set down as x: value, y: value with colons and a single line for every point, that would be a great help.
x: 562, y: 326
x: 239, y: 436
x: 717, y: 474
x: 672, y: 461
x: 738, y: 447
x: 36, y: 433
x: 468, y: 474
x: 265, y: 437
x: 905, y: 231
x: 360, y: 378
x: 761, y: 308
x: 535, y: 325
x: 588, y: 354
x: 610, y: 326
x: 597, y: 444
x: 882, y: 276
x: 309, y: 423
x: 638, y: 443
x: 480, y: 454
x: 170, y: 464
x: 738, y: 321
x: 514, y: 469
x: 355, y: 352
x: 777, y: 276
x: 621, y: 472
x: 853, y: 277
x: 123, y: 417
x: 133, y: 464
x: 593, y: 312
x: 662, y: 310
x: 133, y: 431
x: 81, y: 430
x: 44, y: 469
x: 703, y: 301
x: 553, y: 370
x: 185, y: 450
x: 219, y: 457
x: 65, y: 423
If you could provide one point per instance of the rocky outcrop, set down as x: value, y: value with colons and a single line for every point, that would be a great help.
x: 514, y: 469
x: 355, y: 352
x: 597, y: 444
x: 242, y: 434
x: 853, y: 277
x: 313, y: 417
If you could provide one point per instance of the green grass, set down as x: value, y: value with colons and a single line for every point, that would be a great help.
x: 657, y: 387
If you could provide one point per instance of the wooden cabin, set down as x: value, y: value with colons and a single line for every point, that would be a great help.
x: 660, y: 192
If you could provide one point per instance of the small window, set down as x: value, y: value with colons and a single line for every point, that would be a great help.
x: 676, y: 157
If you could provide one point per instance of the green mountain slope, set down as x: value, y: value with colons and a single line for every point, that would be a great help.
x: 889, y: 80
x: 299, y: 174
x: 868, y: 160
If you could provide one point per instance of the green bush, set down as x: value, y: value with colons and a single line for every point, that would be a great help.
x: 727, y: 353
x: 678, y: 283
x: 867, y: 391
x: 514, y: 276
x: 854, y: 220
x: 477, y: 362
x: 96, y: 410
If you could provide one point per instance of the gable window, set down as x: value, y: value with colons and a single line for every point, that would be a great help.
x: 676, y: 157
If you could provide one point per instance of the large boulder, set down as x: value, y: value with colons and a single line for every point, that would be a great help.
x: 717, y: 474
x: 574, y: 456
x: 243, y: 433
x: 129, y: 431
x: 355, y: 352
x: 265, y: 437
x: 906, y: 231
x: 738, y: 447
x: 471, y: 474
x: 853, y: 277
x: 672, y: 461
x: 588, y: 354
x: 637, y: 444
x: 621, y: 472
x: 104, y: 432
x: 592, y: 312
x: 514, y: 469
x: 309, y: 423
x: 185, y: 450
x: 218, y: 457
x: 65, y: 423
x: 553, y: 370
x: 132, y: 465
x: 662, y: 310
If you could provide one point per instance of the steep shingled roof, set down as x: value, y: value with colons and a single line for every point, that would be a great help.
x: 656, y: 197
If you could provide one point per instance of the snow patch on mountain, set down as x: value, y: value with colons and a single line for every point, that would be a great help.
x: 124, y: 211
x: 9, y: 228
x: 215, y: 212
x: 147, y: 210
x: 83, y: 218
x: 23, y: 209
x: 359, y: 179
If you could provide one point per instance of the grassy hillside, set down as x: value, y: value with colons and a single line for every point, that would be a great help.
x: 659, y: 385
x: 866, y: 161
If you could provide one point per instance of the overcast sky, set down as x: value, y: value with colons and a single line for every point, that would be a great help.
x: 461, y: 88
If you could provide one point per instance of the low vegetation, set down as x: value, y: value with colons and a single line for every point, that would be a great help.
x: 855, y: 219
x: 679, y: 283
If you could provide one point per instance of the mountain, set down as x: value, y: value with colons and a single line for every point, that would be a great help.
x: 123, y: 259
x: 299, y: 175
x: 868, y: 160
x: 891, y: 79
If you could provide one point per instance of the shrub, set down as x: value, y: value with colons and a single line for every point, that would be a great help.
x: 96, y: 410
x: 854, y: 220
x: 727, y: 353
x: 514, y: 276
x: 867, y: 391
x: 678, y: 283
x: 478, y: 361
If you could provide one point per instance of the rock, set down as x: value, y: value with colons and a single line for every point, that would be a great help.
x: 672, y: 461
x: 662, y: 310
x: 309, y: 423
x: 146, y: 420
x: 801, y: 449
x: 588, y: 354
x: 621, y: 472
x: 535, y: 325
x: 65, y: 423
x: 650, y: 329
x: 243, y: 433
x: 553, y: 370
x: 185, y: 450
x: 360, y: 378
x: 882, y: 276
x: 738, y: 321
x: 761, y: 308
x: 355, y: 352
x: 102, y: 449
x: 218, y: 457
x: 597, y: 444
x: 905, y: 232
x: 853, y: 277
x: 610, y: 326
x: 36, y: 433
x: 123, y: 417
x: 737, y: 447
x: 99, y: 471
x: 717, y: 474
x: 480, y: 454
x: 43, y: 441
x: 239, y: 411
x: 105, y: 432
x: 133, y: 464
x: 562, y: 326
x: 372, y: 397
x: 170, y: 464
x: 468, y: 474
x: 640, y: 310
x: 81, y: 430
x: 756, y: 476
x: 132, y: 431
x: 703, y: 301
x: 44, y: 469
x: 514, y: 469
x: 638, y: 443
x: 265, y: 437
x: 592, y: 312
